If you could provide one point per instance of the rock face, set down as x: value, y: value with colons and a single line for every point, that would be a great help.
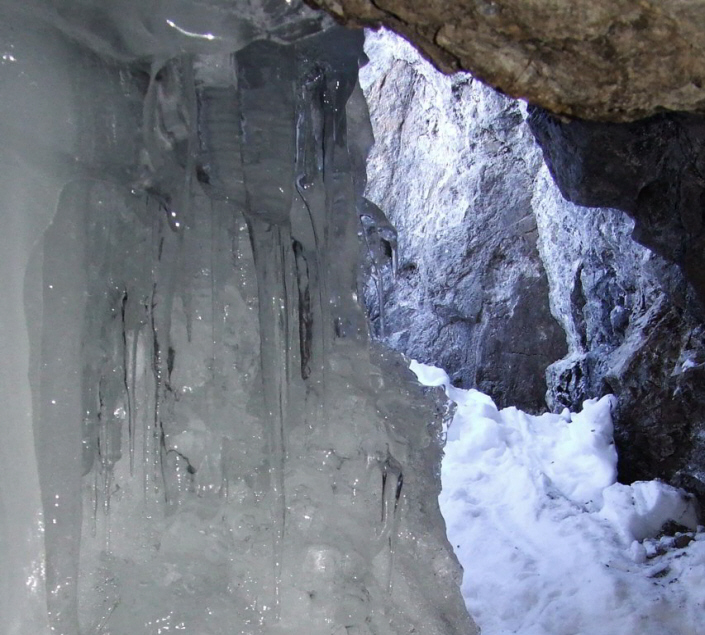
x: 637, y: 329
x: 471, y: 292
x: 453, y: 167
x: 653, y: 169
x: 608, y: 60
x: 628, y: 335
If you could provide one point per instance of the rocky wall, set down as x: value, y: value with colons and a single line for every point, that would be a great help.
x: 453, y: 167
x: 628, y: 334
x: 490, y: 252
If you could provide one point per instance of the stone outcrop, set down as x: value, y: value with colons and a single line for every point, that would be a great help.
x: 453, y: 167
x: 460, y: 175
x: 628, y: 334
x: 607, y: 60
x: 635, y: 319
x: 652, y: 169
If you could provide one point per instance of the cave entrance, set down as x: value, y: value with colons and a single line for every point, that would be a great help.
x: 508, y: 287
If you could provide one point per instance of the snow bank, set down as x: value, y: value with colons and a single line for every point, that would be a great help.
x: 550, y: 543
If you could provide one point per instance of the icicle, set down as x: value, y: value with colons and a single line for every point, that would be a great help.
x: 113, y: 396
x: 128, y: 378
x: 305, y: 311
x: 219, y: 272
x: 95, y: 500
x: 268, y: 147
x: 103, y: 449
x: 89, y: 431
x: 392, y: 483
x: 150, y: 413
x: 58, y: 402
x: 188, y: 91
x: 381, y: 241
x: 309, y: 229
x: 171, y: 144
x: 341, y: 48
x: 187, y: 303
x: 395, y: 259
x: 160, y: 318
x: 134, y: 338
x: 108, y: 484
x: 274, y: 327
x: 379, y: 283
x: 161, y: 326
x: 376, y: 275
x: 377, y: 225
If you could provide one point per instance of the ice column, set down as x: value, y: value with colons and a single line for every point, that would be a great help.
x: 212, y: 445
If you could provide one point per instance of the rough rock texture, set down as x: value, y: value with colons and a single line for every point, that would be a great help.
x: 653, y: 169
x: 457, y: 172
x: 612, y: 60
x: 628, y: 334
x: 453, y: 168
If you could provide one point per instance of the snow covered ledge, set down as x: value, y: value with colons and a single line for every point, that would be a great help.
x: 549, y: 542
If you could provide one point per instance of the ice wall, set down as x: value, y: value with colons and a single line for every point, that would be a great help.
x: 197, y: 435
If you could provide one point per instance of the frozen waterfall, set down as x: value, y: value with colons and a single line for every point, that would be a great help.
x: 197, y: 435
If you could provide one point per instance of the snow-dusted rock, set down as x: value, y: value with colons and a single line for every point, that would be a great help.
x: 453, y: 167
x: 471, y: 291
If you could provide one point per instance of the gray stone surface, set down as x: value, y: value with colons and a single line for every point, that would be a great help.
x: 652, y: 169
x: 622, y: 308
x: 453, y: 168
x: 459, y: 174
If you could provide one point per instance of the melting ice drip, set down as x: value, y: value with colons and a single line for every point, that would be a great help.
x: 381, y: 242
x: 201, y: 354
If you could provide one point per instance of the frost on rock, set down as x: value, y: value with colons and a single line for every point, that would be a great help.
x: 207, y: 442
x: 453, y: 167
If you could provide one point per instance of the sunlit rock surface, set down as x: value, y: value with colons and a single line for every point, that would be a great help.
x: 621, y: 294
x: 476, y: 200
x: 610, y: 60
x: 453, y: 167
x: 196, y: 434
x: 651, y: 169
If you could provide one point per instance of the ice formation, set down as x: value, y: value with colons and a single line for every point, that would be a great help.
x: 197, y: 435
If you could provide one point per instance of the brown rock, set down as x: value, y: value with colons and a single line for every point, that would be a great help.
x: 609, y: 60
x: 682, y: 540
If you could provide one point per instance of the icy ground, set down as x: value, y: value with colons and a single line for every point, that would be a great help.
x: 549, y: 542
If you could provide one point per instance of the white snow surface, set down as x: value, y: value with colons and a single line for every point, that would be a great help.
x: 549, y: 542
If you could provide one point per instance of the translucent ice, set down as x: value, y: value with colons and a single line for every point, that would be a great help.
x: 207, y: 442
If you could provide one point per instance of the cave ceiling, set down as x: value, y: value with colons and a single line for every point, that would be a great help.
x: 607, y: 60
